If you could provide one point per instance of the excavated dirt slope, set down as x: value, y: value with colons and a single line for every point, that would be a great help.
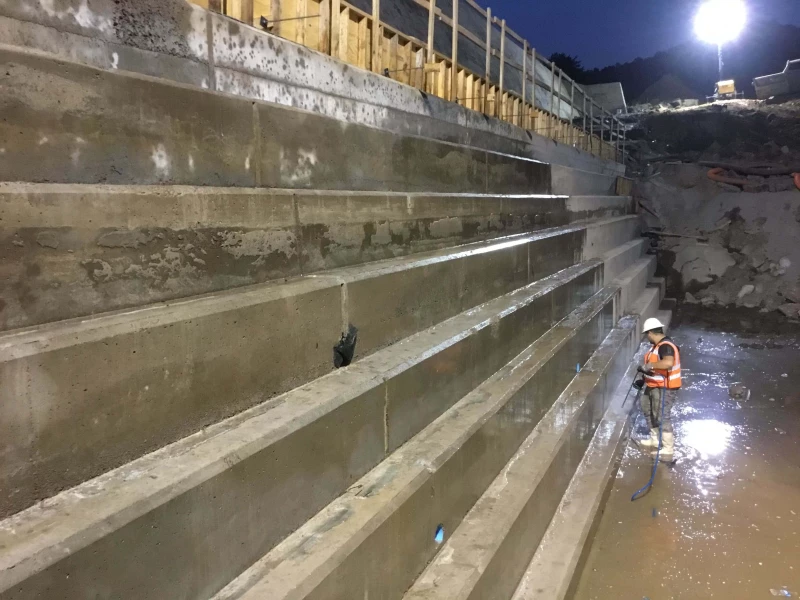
x: 716, y: 190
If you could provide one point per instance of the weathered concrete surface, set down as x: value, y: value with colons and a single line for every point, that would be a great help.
x: 599, y: 207
x: 620, y: 258
x: 73, y: 250
x: 634, y: 280
x: 574, y: 182
x: 558, y: 559
x: 607, y: 234
x: 750, y: 237
x: 68, y: 123
x: 488, y: 553
x: 175, y: 40
x: 201, y: 355
x: 384, y: 537
x: 551, y: 573
x: 157, y: 527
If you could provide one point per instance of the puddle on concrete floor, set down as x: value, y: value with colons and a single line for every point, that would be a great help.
x: 724, y: 522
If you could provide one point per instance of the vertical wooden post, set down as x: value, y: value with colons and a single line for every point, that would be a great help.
x: 215, y: 5
x: 276, y: 12
x: 524, y: 82
x: 552, y: 97
x: 488, y: 60
x: 335, y: 26
x: 533, y: 85
x: 376, y: 36
x: 300, y: 23
x: 560, y: 100
x: 325, y: 26
x: 246, y: 15
x: 454, y: 56
x: 572, y: 113
x: 502, y: 66
x: 624, y: 145
x: 586, y: 139
x: 431, y: 28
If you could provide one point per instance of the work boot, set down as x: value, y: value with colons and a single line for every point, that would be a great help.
x: 652, y: 441
x: 667, y: 446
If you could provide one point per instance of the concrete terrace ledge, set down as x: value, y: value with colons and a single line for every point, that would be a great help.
x: 375, y: 539
x: 96, y: 248
x: 200, y: 350
x: 488, y: 553
x: 174, y: 508
x: 187, y: 44
x: 84, y: 133
x: 557, y: 563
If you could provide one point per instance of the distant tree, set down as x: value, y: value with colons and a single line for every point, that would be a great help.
x: 571, y: 65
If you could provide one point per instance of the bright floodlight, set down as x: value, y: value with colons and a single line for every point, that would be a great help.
x: 720, y: 21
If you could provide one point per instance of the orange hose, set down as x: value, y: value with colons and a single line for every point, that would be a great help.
x: 716, y: 175
x: 797, y: 180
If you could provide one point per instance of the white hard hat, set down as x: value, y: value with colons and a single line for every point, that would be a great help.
x: 651, y: 324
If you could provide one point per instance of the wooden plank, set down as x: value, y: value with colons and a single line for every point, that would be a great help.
x: 300, y: 29
x: 454, y: 53
x: 524, y: 72
x: 274, y: 14
x: 431, y: 30
x: 408, y: 59
x: 343, y: 38
x: 392, y: 48
x: 246, y: 12
x: 335, y: 28
x: 502, y: 55
x: 325, y: 26
x: 363, y: 43
x: 572, y: 113
x: 488, y: 74
x: 376, y: 36
x: 215, y: 5
x: 440, y: 81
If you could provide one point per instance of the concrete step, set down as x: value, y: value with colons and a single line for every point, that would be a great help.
x: 567, y: 181
x: 487, y: 554
x: 161, y: 524
x: 83, y: 249
x: 376, y: 538
x: 634, y: 280
x: 608, y: 234
x: 182, y: 366
x: 72, y: 123
x: 599, y: 207
x: 558, y: 561
x: 620, y: 258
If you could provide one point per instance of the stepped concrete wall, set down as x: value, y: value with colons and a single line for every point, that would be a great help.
x: 175, y: 40
x: 73, y: 250
x: 108, y: 127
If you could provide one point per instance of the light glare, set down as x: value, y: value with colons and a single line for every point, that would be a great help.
x: 720, y: 21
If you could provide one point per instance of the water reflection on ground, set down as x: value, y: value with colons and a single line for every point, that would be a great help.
x: 724, y: 521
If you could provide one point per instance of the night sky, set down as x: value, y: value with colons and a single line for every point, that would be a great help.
x: 604, y: 32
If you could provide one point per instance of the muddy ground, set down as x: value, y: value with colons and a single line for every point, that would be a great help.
x: 724, y: 522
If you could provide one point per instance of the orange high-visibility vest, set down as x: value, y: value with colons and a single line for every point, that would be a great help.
x: 668, y: 378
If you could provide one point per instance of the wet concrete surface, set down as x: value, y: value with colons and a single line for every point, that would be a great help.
x: 724, y: 521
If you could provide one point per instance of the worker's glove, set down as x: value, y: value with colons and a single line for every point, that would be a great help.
x: 644, y: 371
x: 638, y: 384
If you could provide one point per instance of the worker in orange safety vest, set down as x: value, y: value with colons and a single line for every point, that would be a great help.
x: 662, y: 371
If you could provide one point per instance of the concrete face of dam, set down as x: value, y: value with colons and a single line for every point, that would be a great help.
x: 181, y: 254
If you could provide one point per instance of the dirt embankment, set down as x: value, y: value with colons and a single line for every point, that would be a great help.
x: 716, y: 189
